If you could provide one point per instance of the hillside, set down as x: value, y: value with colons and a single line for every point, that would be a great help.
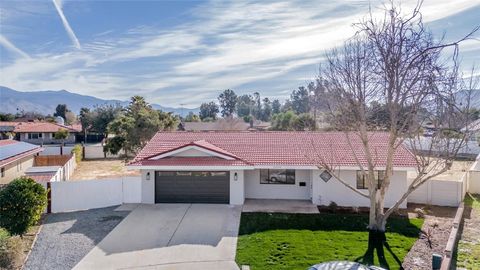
x: 45, y: 101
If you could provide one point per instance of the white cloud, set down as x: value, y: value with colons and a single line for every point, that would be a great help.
x: 59, y: 7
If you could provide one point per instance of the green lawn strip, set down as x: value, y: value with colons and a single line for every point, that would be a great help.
x: 468, y: 253
x: 473, y: 200
x: 297, y: 241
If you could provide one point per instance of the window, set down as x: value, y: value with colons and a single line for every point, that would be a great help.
x: 34, y: 136
x: 3, y: 171
x: 362, y: 182
x: 277, y: 177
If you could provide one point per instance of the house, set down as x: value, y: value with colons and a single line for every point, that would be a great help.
x: 229, y: 167
x: 44, y: 174
x: 15, y: 158
x: 39, y: 132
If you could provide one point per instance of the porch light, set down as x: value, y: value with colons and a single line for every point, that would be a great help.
x: 148, y: 176
x: 235, y: 177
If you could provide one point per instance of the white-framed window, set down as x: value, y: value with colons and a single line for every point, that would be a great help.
x: 362, y: 180
x: 33, y: 136
x: 274, y: 176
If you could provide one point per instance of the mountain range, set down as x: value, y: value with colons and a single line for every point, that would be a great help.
x: 45, y: 102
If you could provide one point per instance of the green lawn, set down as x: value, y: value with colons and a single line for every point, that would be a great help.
x: 468, y: 250
x: 297, y: 241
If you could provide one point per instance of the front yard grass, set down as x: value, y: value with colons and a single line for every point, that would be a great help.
x: 297, y: 241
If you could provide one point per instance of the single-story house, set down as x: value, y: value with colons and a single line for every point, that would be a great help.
x: 15, y: 158
x: 229, y: 167
x: 39, y: 132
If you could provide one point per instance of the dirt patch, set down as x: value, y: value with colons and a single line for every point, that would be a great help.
x: 102, y: 169
x: 434, y: 237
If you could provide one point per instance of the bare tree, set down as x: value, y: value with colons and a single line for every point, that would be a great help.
x: 395, y: 61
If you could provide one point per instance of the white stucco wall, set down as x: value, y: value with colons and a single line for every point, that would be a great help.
x: 191, y: 153
x: 255, y: 190
x: 148, y: 187
x: 237, y: 188
x: 334, y: 191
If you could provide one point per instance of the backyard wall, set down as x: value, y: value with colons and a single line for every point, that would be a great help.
x: 88, y: 194
x: 55, y: 150
x: 440, y: 192
x: 96, y: 152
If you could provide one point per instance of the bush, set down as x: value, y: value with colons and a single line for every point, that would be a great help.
x: 22, y: 203
x: 78, y: 151
x: 11, y: 253
x: 333, y: 207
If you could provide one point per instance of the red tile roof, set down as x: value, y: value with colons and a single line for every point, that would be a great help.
x: 11, y: 150
x: 278, y: 148
x: 40, y: 127
x: 191, y: 161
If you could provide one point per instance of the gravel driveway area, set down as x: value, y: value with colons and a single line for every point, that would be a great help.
x: 66, y: 238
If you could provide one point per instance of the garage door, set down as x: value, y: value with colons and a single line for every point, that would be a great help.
x: 192, y: 187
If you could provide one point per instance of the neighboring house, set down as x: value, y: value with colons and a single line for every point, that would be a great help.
x: 473, y: 129
x: 229, y: 167
x: 15, y: 158
x: 45, y: 174
x: 40, y: 132
x: 233, y: 124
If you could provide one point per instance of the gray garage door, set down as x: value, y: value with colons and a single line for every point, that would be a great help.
x: 192, y: 187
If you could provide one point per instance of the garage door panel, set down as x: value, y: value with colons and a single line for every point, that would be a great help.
x: 195, y: 187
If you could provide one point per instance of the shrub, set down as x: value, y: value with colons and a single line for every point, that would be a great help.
x: 78, y: 151
x: 22, y: 203
x: 333, y: 207
x: 11, y: 253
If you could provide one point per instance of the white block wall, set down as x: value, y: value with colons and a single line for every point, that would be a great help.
x: 88, y: 194
x: 96, y: 152
x: 474, y: 182
x: 439, y: 192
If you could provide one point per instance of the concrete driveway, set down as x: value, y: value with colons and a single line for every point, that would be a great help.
x: 170, y: 236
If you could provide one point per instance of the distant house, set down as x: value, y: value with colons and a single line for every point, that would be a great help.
x: 473, y: 129
x: 38, y: 132
x: 15, y: 158
x: 233, y: 124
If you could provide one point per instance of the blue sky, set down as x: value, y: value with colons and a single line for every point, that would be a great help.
x: 187, y: 52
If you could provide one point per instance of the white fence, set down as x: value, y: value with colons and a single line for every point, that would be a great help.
x: 474, y: 178
x: 56, y: 150
x: 87, y: 194
x: 440, y: 192
x: 90, y: 151
x: 96, y: 152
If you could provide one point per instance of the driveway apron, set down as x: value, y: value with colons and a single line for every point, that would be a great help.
x: 170, y: 236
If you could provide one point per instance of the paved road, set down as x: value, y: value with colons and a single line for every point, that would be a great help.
x: 170, y: 236
x: 66, y: 238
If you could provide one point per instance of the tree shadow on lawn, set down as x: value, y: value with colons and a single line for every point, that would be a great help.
x: 262, y: 222
x: 259, y: 222
x: 377, y: 244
